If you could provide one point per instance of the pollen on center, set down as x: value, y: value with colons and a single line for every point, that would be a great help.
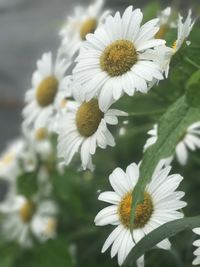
x: 47, y: 91
x: 118, y: 58
x: 142, y: 214
x: 88, y: 118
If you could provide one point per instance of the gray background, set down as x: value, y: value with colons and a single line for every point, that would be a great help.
x: 29, y: 28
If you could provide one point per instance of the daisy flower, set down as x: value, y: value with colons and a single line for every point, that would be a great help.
x: 196, y: 243
x: 111, y: 61
x: 38, y: 142
x: 47, y: 82
x: 85, y: 129
x: 190, y: 141
x: 161, y: 204
x: 10, y: 157
x: 30, y: 218
x: 84, y: 21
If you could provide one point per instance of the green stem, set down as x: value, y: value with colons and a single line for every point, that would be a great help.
x: 190, y: 61
x: 137, y: 114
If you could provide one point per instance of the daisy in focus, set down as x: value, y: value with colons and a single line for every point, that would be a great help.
x: 30, y: 217
x: 85, y: 129
x: 112, y: 61
x: 83, y: 22
x: 190, y: 141
x: 47, y: 82
x: 161, y: 204
x: 196, y: 243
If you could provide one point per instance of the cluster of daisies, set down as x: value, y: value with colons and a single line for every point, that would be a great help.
x: 102, y: 57
x: 27, y: 218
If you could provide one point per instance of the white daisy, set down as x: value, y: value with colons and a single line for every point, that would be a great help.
x: 111, y: 61
x: 30, y: 218
x: 196, y: 243
x: 190, y: 141
x: 10, y: 157
x: 38, y: 142
x: 47, y: 81
x: 84, y: 21
x: 85, y: 129
x: 161, y: 205
x: 184, y: 30
x: 162, y: 55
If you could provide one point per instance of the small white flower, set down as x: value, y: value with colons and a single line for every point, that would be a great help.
x: 184, y: 30
x: 38, y: 141
x: 190, y: 141
x: 111, y: 61
x: 85, y: 129
x: 84, y: 21
x: 196, y: 243
x: 161, y: 204
x: 47, y: 82
x: 9, y: 158
x: 30, y: 218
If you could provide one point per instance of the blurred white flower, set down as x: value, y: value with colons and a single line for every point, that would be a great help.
x: 196, y: 243
x: 47, y: 82
x: 85, y: 129
x: 112, y: 62
x: 76, y: 28
x: 190, y: 141
x: 30, y: 217
x: 161, y: 204
x: 9, y: 159
x: 164, y: 22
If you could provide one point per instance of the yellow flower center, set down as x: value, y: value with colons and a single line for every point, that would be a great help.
x: 7, y: 159
x: 26, y: 211
x: 41, y: 134
x: 88, y: 26
x: 51, y: 226
x: 47, y: 91
x: 118, y: 58
x: 142, y: 214
x: 88, y: 118
x: 162, y: 31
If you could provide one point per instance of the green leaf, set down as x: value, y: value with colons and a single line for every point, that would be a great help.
x: 171, y: 129
x: 165, y: 231
x: 8, y: 254
x: 193, y: 90
x: 150, y: 10
x: 27, y: 184
x: 65, y: 183
x: 53, y: 253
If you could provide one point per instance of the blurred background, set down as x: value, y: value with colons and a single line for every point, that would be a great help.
x: 29, y: 28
